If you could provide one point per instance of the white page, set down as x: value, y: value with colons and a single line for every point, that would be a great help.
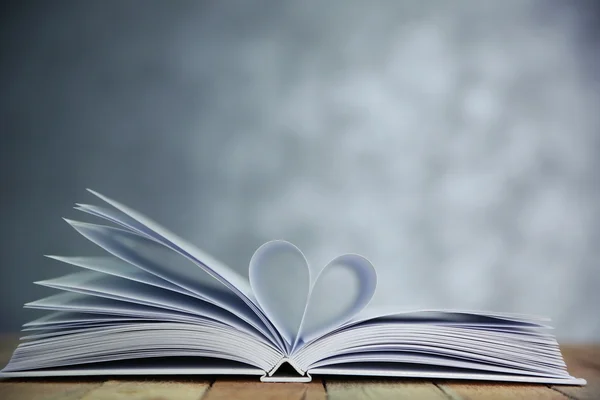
x: 511, y: 346
x: 60, y: 322
x: 98, y: 284
x: 280, y: 278
x: 84, y: 340
x: 467, y: 352
x: 456, y: 350
x: 165, y: 339
x: 350, y: 274
x: 168, y: 265
x: 157, y: 231
x: 61, y: 317
x: 218, y: 270
x: 69, y: 329
x: 298, y: 300
x: 439, y: 361
x: 515, y: 329
x: 392, y: 312
x: 461, y: 316
x: 73, y: 321
x: 486, y: 342
x: 74, y: 302
x: 117, y: 267
x: 98, y: 359
x: 430, y: 317
x: 208, y: 367
x: 444, y: 330
x: 65, y: 329
x: 117, y: 218
x: 156, y: 259
x: 79, y: 302
x: 515, y: 351
x: 506, y: 327
x: 82, y: 303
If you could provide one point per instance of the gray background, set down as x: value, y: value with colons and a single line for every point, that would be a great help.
x: 453, y: 143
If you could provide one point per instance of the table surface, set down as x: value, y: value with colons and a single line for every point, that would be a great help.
x: 583, y: 361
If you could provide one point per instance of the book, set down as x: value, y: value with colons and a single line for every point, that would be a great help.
x: 156, y: 304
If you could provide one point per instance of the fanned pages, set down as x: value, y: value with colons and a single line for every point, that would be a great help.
x: 156, y: 304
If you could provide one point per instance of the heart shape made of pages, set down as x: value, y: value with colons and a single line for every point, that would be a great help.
x: 301, y: 303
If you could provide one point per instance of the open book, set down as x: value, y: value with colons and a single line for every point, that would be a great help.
x: 155, y: 304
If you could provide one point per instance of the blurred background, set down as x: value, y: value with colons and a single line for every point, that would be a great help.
x: 454, y: 144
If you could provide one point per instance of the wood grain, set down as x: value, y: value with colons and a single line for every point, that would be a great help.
x: 45, y: 390
x: 244, y: 389
x: 38, y: 389
x: 148, y: 390
x: 489, y: 391
x: 382, y: 389
x: 582, y: 362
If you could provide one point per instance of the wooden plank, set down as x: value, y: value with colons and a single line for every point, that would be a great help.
x: 37, y: 390
x: 382, y: 389
x: 582, y: 362
x: 225, y: 389
x: 497, y: 391
x: 148, y: 389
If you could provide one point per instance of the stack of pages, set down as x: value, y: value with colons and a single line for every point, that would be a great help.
x: 155, y: 304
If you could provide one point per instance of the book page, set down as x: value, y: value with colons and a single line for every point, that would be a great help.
x: 151, y: 228
x: 116, y: 267
x: 136, y: 222
x: 155, y: 259
x: 462, y: 316
x: 298, y: 300
x: 351, y: 280
x: 143, y: 340
x: 97, y: 284
x: 81, y: 303
x: 60, y: 320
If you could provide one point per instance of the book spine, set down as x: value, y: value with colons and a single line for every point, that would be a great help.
x: 275, y: 375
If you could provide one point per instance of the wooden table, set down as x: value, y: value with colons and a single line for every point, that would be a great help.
x: 582, y: 361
